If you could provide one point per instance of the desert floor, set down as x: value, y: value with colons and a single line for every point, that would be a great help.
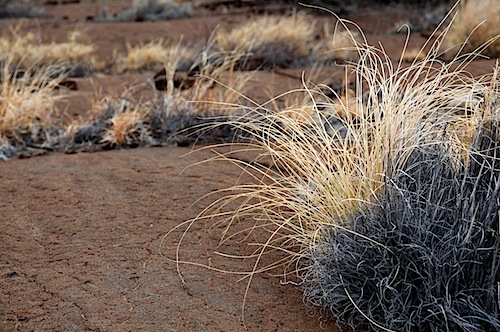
x: 81, y: 234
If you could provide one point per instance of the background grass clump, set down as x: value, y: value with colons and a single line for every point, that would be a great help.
x: 29, y: 114
x: 155, y: 55
x: 17, y: 9
x: 477, y: 23
x: 74, y: 57
x: 287, y: 41
x: 33, y: 97
x: 270, y: 40
x: 150, y: 10
x: 174, y: 115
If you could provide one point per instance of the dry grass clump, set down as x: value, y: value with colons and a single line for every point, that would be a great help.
x: 339, y: 45
x: 270, y: 40
x: 26, y: 8
x: 173, y: 115
x: 127, y: 127
x: 214, y: 94
x: 286, y: 41
x: 385, y: 169
x: 155, y: 55
x: 28, y: 112
x: 27, y: 51
x: 97, y: 130
x: 28, y: 99
x: 424, y: 256
x: 151, y: 10
x: 114, y: 122
x: 477, y: 22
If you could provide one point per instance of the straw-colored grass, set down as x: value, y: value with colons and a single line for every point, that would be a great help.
x: 271, y: 40
x: 339, y: 45
x: 332, y: 158
x: 154, y: 55
x: 28, y: 104
x: 27, y: 51
x: 477, y: 22
x: 127, y: 128
x: 331, y: 161
x: 287, y: 41
x: 127, y: 121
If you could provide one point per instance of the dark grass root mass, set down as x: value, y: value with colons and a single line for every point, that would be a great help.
x: 426, y: 257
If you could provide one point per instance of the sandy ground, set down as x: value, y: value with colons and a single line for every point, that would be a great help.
x: 80, y: 234
x: 81, y: 249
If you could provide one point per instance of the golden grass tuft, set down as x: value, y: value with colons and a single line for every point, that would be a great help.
x: 28, y: 105
x: 477, y: 23
x: 271, y: 40
x: 287, y: 40
x: 27, y: 51
x: 319, y: 164
x: 339, y: 45
x: 153, y: 56
x: 127, y: 128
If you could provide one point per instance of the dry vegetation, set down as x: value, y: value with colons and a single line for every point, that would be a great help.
x: 383, y: 200
x: 155, y: 55
x: 27, y: 51
x: 33, y: 72
x: 287, y: 41
x: 150, y: 10
x: 271, y: 40
x: 173, y: 115
x: 23, y: 8
x: 476, y: 28
x: 126, y: 128
x: 28, y: 112
x: 335, y: 153
x: 360, y: 187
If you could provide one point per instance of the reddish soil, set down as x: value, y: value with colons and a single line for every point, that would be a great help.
x: 80, y: 244
x: 80, y: 235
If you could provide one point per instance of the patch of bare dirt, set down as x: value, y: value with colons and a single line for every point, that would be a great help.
x: 80, y: 243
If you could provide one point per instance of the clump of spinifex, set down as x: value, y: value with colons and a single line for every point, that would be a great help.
x: 29, y: 116
x: 172, y: 115
x: 477, y: 23
x: 424, y: 255
x: 382, y: 204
